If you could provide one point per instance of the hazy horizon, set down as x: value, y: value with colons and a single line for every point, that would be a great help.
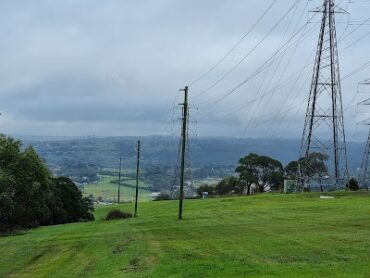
x: 28, y: 137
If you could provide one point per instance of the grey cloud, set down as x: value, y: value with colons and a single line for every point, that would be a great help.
x: 99, y: 65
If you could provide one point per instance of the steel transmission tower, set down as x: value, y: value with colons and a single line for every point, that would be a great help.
x: 324, y: 127
x: 364, y: 173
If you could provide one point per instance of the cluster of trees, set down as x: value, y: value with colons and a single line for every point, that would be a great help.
x: 262, y: 173
x: 80, y: 172
x: 315, y: 166
x: 226, y: 186
x: 30, y: 196
x: 212, y: 171
x: 157, y: 176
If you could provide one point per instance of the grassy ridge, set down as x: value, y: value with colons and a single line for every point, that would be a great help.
x: 266, y: 235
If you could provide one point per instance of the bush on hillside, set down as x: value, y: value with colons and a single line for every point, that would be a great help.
x: 76, y: 207
x: 205, y: 188
x: 353, y: 185
x: 230, y: 185
x: 117, y: 214
x: 163, y: 197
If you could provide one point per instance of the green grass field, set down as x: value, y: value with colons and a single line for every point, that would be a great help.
x: 265, y: 235
x: 108, y: 190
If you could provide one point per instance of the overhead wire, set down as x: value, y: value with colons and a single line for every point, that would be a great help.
x: 228, y: 53
x: 254, y: 74
x: 250, y: 52
x: 362, y: 67
x: 279, y: 86
x: 347, y: 75
x: 267, y: 64
x: 283, y: 72
x: 258, y: 70
x: 280, y: 114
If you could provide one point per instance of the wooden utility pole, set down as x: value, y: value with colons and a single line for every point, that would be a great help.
x: 119, y: 180
x: 183, y: 148
x: 137, y: 177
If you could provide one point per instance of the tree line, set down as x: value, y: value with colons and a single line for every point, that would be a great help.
x: 254, y: 172
x: 262, y: 174
x: 259, y: 173
x: 30, y: 196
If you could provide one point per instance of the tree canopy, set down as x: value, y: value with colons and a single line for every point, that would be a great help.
x: 262, y: 171
x: 30, y: 196
x: 291, y: 169
x: 353, y: 185
x: 315, y: 164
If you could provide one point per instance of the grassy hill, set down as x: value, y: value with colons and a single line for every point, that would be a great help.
x: 265, y: 235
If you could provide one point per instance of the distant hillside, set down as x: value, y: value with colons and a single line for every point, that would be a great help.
x: 105, y: 152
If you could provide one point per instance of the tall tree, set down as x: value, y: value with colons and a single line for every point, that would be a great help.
x: 75, y: 205
x: 316, y: 164
x: 262, y: 171
x: 291, y: 170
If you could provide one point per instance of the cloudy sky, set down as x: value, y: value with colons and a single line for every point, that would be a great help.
x: 109, y: 68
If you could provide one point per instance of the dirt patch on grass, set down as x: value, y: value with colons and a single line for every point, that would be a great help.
x: 135, y: 263
x: 37, y: 257
x: 43, y: 252
x: 118, y: 249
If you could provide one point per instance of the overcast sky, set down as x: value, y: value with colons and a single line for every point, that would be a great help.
x: 109, y: 68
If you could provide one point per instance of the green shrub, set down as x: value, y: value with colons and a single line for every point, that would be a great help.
x: 205, y: 188
x: 163, y: 197
x: 353, y: 185
x: 117, y: 214
x: 230, y: 185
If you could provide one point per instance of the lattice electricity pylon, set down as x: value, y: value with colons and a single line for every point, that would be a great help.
x: 364, y: 173
x: 324, y: 127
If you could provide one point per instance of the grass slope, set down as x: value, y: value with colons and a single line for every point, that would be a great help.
x: 266, y: 235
